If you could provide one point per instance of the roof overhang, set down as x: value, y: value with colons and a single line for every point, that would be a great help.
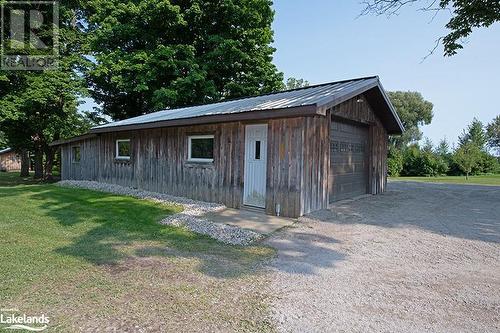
x: 379, y: 101
x: 73, y: 139
x: 6, y: 150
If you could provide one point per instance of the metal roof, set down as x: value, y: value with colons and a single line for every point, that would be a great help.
x: 323, y: 95
x: 6, y: 150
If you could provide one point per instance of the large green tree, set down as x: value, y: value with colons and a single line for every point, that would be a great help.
x: 414, y: 111
x: 466, y: 16
x: 37, y: 107
x: 157, y: 54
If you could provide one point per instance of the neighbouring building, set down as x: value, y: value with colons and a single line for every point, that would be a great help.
x: 288, y: 153
x: 9, y: 160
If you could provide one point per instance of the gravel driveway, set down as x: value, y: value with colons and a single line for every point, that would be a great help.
x: 419, y: 258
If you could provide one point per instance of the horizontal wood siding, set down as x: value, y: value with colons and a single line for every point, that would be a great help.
x: 359, y: 110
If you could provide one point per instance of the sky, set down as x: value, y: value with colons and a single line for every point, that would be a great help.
x: 325, y: 40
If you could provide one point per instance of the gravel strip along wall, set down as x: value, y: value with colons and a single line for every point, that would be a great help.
x: 190, y: 218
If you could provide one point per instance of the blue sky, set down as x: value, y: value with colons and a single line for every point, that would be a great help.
x: 324, y: 41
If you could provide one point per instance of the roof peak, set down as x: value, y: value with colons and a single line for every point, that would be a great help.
x: 271, y: 93
x: 284, y: 91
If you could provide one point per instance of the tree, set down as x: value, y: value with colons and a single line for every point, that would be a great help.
x: 3, y: 141
x: 467, y: 156
x: 39, y: 107
x: 466, y: 16
x: 443, y: 148
x: 293, y: 83
x: 493, y: 134
x: 395, y: 162
x: 158, y: 54
x: 414, y: 111
x: 474, y: 134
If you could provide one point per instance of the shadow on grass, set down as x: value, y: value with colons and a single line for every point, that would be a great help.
x: 105, y: 229
x: 13, y: 178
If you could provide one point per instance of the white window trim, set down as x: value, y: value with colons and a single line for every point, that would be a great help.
x: 117, y: 151
x: 190, y: 138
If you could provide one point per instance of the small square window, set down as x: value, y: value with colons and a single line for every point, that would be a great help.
x: 75, y: 153
x: 123, y: 149
x: 201, y: 148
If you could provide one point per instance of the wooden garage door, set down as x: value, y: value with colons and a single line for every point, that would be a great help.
x: 348, y: 160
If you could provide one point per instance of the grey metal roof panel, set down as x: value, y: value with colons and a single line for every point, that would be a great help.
x: 6, y: 150
x: 314, y: 95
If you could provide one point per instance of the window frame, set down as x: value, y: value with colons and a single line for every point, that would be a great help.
x: 201, y: 136
x: 73, y: 155
x: 117, y: 151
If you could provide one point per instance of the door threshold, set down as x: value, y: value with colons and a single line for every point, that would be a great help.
x: 253, y: 209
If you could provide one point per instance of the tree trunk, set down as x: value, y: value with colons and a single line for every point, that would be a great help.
x: 25, y: 163
x: 466, y: 176
x: 38, y: 163
x: 49, y: 162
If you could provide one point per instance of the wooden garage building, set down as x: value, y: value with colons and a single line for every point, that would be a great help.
x: 288, y: 153
x: 9, y: 160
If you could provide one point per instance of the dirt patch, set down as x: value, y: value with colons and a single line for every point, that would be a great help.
x: 420, y: 258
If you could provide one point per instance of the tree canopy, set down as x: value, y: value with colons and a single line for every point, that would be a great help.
x: 414, y: 111
x: 38, y: 107
x: 157, y: 54
x: 466, y: 16
x: 493, y: 134
x: 474, y: 134
x: 467, y: 157
x: 293, y: 83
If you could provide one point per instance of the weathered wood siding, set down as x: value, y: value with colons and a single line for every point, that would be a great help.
x: 297, y: 171
x: 316, y: 161
x: 10, y: 161
x: 378, y: 139
x: 159, y: 162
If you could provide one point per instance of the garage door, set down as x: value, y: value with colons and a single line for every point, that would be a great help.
x: 348, y: 160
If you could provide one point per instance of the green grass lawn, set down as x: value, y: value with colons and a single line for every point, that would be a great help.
x: 493, y: 180
x: 91, y: 260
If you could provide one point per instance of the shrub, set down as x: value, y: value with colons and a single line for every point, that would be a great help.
x: 394, y: 162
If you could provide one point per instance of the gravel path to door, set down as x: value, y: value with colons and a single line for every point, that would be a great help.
x: 419, y: 258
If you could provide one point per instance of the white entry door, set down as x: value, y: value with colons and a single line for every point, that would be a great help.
x: 254, y: 192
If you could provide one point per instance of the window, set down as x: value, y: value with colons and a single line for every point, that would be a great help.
x: 201, y: 148
x: 257, y: 150
x: 75, y: 153
x: 123, y: 149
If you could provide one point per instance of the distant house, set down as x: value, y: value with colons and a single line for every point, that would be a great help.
x: 9, y: 160
x: 288, y: 153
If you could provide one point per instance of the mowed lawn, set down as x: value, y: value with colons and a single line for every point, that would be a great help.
x: 493, y: 180
x: 92, y: 261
